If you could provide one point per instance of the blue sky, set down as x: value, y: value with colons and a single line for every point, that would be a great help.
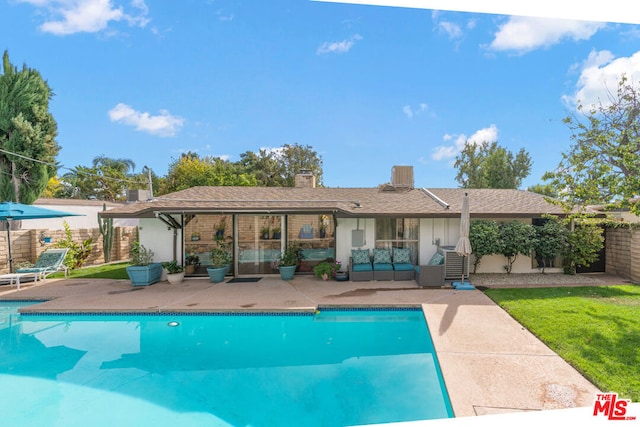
x: 368, y: 87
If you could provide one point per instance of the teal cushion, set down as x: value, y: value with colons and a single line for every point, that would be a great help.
x: 401, y: 255
x: 383, y: 267
x: 436, y: 259
x: 360, y: 256
x: 30, y: 270
x: 405, y: 266
x: 361, y: 267
x: 381, y: 256
x: 49, y: 259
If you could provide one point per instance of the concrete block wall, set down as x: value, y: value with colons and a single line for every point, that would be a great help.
x: 623, y: 253
x: 27, y: 245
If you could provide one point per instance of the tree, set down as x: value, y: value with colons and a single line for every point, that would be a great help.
x: 190, y: 170
x: 27, y: 134
x: 545, y: 189
x: 264, y: 166
x: 123, y: 166
x: 53, y: 189
x: 295, y: 158
x: 484, y: 238
x: 491, y: 166
x: 585, y: 242
x: 551, y: 241
x: 603, y: 163
x: 516, y: 238
x: 108, y: 179
x: 278, y: 167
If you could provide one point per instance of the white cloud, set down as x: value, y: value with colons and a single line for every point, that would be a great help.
x: 163, y: 124
x: 599, y: 77
x: 338, y: 47
x: 409, y: 111
x: 443, y: 152
x: 453, y: 30
x: 224, y: 16
x: 524, y: 34
x: 64, y: 17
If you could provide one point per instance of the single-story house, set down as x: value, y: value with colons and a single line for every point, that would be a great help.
x: 258, y: 222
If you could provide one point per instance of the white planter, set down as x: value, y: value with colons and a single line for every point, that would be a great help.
x: 175, y: 278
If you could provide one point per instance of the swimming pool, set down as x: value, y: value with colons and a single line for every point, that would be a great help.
x: 331, y: 368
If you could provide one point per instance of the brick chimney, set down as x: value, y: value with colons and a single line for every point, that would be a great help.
x: 305, y: 179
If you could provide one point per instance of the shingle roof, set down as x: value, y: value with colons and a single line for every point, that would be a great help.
x: 360, y: 202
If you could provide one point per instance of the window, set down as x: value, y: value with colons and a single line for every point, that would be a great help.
x: 398, y: 233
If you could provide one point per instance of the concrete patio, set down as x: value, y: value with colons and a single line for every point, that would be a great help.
x: 490, y: 363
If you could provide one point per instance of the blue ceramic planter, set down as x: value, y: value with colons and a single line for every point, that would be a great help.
x: 216, y: 275
x: 144, y: 275
x: 287, y: 271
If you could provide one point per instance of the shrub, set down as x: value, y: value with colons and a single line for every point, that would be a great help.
x: 326, y: 269
x: 78, y: 252
x: 551, y: 241
x: 484, y: 237
x: 140, y: 255
x: 516, y: 238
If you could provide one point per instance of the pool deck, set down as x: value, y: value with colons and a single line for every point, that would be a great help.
x: 490, y: 363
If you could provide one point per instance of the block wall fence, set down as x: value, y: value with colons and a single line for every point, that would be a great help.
x: 623, y: 253
x: 27, y: 245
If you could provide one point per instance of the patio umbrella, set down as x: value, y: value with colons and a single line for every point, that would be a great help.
x: 11, y: 211
x: 463, y: 247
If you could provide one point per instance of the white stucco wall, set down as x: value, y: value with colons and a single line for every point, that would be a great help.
x: 434, y: 231
x: 154, y: 235
x: 343, y: 237
x: 88, y: 218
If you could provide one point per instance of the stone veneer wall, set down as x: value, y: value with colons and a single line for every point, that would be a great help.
x: 623, y: 253
x: 26, y: 245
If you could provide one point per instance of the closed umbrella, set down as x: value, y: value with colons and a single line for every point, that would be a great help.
x: 11, y: 211
x: 463, y: 247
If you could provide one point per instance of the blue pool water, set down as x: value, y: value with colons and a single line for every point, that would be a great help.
x: 334, y: 368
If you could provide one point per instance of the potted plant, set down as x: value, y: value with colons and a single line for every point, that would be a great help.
x: 143, y: 271
x: 175, y: 272
x: 322, y: 228
x: 220, y: 260
x: 264, y: 233
x: 326, y: 270
x: 289, y: 261
x: 191, y: 262
x: 276, y: 233
x: 195, y: 236
x: 220, y: 227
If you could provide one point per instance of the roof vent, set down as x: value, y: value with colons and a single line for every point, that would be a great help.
x: 402, y: 176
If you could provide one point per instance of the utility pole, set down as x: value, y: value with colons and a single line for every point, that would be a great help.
x: 150, y: 182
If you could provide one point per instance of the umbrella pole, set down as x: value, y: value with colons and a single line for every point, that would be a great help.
x: 9, y: 245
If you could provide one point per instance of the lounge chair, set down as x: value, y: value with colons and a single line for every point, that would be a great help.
x: 48, y: 262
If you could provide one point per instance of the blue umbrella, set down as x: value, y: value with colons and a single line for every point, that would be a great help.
x: 11, y: 211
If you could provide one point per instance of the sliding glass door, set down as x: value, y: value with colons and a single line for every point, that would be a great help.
x: 259, y: 243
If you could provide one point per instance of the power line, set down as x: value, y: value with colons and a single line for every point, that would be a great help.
x: 69, y: 169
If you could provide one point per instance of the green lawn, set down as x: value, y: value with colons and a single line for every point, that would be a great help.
x: 105, y: 271
x: 595, y: 329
